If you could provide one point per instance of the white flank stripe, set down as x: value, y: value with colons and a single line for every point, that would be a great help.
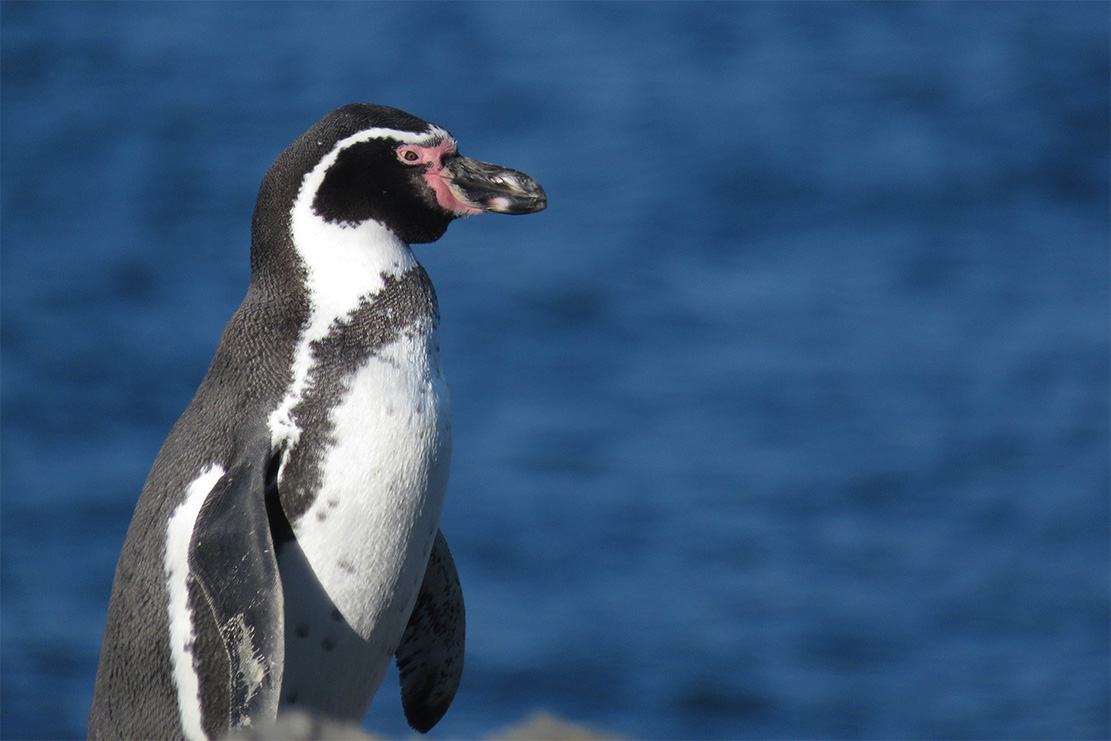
x: 343, y: 263
x: 179, y: 531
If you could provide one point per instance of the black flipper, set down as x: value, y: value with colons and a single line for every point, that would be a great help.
x: 430, y: 657
x: 232, y: 557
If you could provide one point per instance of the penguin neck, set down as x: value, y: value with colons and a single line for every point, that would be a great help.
x: 344, y: 263
x: 343, y: 266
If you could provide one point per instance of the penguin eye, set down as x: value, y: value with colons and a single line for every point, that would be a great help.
x: 408, y: 155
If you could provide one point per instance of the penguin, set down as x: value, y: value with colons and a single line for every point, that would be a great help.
x: 286, y: 544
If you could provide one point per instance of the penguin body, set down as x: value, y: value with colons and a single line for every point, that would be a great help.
x: 286, y: 544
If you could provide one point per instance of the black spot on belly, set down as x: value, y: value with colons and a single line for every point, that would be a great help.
x: 321, y: 516
x: 347, y: 568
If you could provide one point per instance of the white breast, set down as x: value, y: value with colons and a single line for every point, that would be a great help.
x: 363, y: 544
x: 369, y: 529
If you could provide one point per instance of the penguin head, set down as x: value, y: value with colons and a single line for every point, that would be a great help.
x: 368, y: 162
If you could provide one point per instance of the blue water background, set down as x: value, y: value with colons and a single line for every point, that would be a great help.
x: 788, y: 418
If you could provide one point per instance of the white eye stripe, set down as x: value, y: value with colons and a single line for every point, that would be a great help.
x: 425, y: 138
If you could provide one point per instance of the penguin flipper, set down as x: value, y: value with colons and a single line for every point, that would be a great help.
x: 430, y: 657
x: 232, y: 557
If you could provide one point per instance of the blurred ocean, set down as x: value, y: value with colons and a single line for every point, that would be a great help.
x: 789, y: 418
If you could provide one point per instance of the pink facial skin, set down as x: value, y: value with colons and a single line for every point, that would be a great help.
x: 436, y: 176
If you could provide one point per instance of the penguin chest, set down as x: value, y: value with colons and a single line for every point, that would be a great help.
x: 351, y: 577
x: 382, y: 476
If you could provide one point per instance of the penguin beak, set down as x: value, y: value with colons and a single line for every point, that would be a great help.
x: 493, y: 188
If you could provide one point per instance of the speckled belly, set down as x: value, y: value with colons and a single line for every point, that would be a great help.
x: 352, y: 576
